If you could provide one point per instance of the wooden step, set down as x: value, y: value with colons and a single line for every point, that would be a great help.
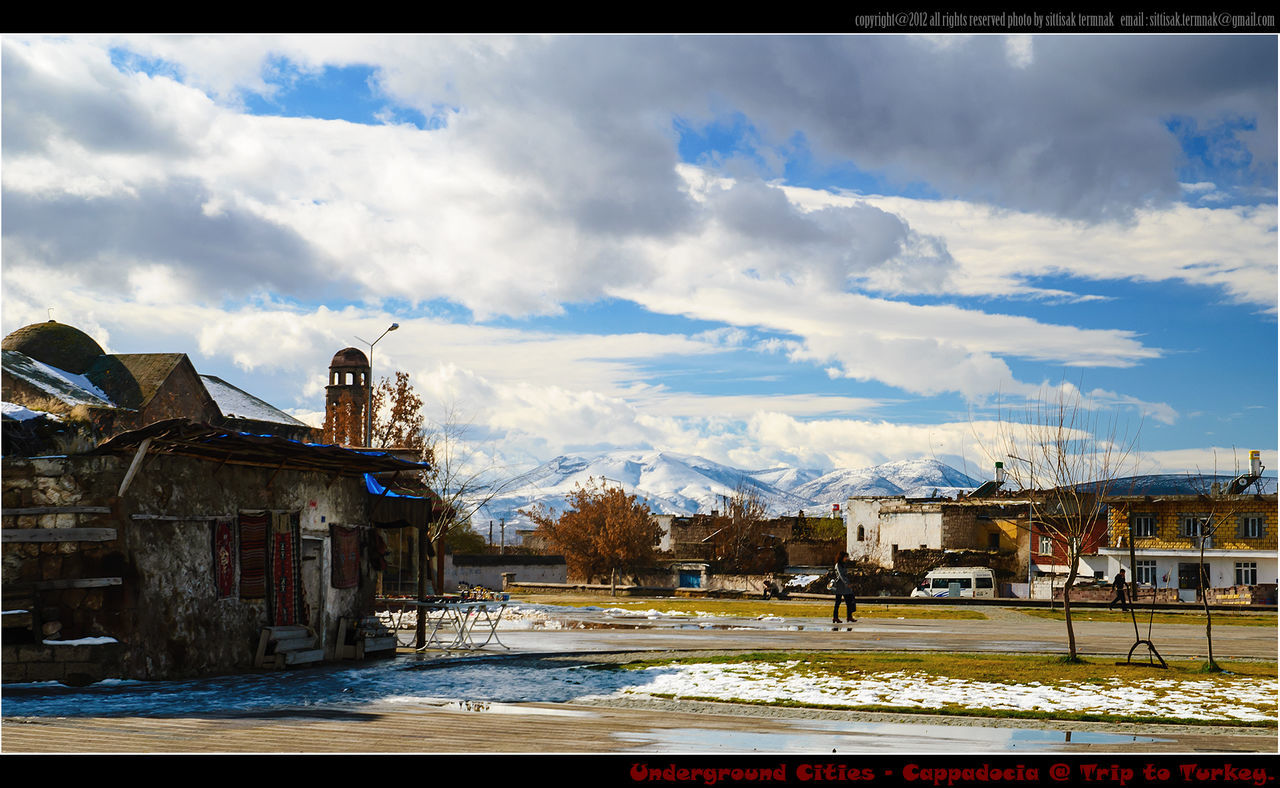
x: 302, y: 656
x: 281, y: 646
x: 295, y: 643
x: 287, y: 632
x: 379, y: 644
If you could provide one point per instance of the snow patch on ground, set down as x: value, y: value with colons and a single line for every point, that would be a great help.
x: 1244, y: 699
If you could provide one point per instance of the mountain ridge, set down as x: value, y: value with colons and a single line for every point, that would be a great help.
x: 684, y: 484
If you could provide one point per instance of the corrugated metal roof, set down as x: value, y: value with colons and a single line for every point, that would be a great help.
x: 192, y: 439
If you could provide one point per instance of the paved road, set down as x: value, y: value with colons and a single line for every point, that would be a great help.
x: 1003, y: 630
x: 669, y: 726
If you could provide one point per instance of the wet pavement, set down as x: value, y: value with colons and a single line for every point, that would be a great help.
x: 1003, y: 630
x: 522, y: 698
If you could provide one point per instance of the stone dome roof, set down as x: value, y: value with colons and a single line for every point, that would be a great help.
x: 56, y: 344
x: 349, y: 357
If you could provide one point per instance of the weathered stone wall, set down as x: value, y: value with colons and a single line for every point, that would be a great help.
x: 960, y: 528
x: 814, y: 552
x: 486, y: 571
x: 1262, y: 594
x: 164, y: 611
x: 1099, y: 592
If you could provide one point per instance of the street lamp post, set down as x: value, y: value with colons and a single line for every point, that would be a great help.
x: 368, y: 403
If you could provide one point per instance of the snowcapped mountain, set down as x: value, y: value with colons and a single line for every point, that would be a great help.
x: 672, y: 483
x: 686, y: 484
x: 913, y: 478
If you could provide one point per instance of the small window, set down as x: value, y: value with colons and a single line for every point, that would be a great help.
x: 984, y: 582
x: 1046, y: 545
x: 1145, y: 573
x: 1191, y: 525
x: 1144, y: 525
x: 1247, y: 573
x: 1251, y: 526
x: 862, y: 533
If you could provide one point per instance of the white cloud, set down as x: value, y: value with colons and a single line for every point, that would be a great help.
x: 1020, y: 50
x: 169, y: 219
x: 996, y: 251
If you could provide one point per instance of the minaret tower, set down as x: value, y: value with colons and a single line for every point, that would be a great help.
x: 346, y: 398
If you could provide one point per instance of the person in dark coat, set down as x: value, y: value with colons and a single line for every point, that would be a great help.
x: 1119, y: 585
x: 843, y: 590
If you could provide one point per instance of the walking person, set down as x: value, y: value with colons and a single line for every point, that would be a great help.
x: 843, y: 590
x: 1119, y: 585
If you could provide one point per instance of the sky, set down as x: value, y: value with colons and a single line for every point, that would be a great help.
x: 818, y: 251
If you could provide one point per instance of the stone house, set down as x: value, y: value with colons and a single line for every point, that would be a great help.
x: 165, y: 551
x: 881, y: 526
x: 1238, y: 531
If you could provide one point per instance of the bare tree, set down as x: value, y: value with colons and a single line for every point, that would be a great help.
x: 1069, y: 457
x: 462, y: 480
x: 740, y: 538
x: 1224, y: 503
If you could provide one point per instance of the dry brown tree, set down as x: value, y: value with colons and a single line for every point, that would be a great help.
x: 344, y: 422
x: 397, y: 415
x: 1068, y: 455
x: 604, y: 532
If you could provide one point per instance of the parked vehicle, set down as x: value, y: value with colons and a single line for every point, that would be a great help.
x: 963, y: 581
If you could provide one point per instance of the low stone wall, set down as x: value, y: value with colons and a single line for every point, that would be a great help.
x: 490, y: 571
x: 1264, y: 594
x: 74, y: 664
x: 1105, y: 593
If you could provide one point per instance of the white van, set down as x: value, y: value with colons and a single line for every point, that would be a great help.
x: 970, y: 581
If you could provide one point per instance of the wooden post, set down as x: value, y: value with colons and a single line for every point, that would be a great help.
x: 133, y: 466
x: 423, y: 569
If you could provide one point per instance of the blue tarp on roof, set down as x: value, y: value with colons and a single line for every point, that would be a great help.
x: 377, y: 488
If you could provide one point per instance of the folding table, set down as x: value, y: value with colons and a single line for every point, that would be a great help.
x: 468, y: 620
